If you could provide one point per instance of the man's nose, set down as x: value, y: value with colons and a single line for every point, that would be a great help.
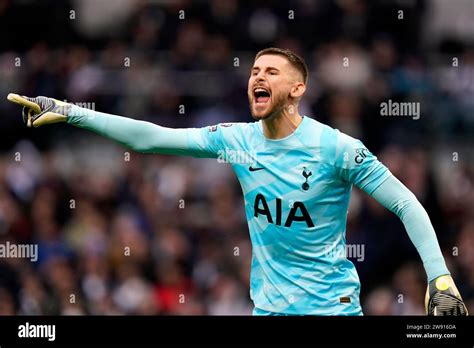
x: 259, y: 77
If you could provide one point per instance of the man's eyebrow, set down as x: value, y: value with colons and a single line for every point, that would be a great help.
x: 268, y: 68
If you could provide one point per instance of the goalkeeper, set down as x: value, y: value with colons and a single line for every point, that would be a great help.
x: 296, y: 190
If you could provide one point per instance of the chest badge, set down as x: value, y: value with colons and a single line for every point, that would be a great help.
x: 306, y: 175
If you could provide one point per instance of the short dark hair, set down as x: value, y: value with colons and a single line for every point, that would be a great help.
x: 292, y: 57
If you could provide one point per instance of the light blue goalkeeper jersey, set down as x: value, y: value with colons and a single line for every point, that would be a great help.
x: 297, y: 192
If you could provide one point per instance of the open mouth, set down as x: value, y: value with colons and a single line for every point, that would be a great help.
x: 261, y: 95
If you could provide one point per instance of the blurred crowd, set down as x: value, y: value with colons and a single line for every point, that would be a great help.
x: 126, y: 233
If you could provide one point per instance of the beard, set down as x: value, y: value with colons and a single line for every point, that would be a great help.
x: 276, y: 106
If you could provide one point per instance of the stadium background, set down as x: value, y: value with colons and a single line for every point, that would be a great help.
x: 83, y: 199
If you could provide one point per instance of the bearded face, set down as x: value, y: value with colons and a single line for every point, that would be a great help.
x: 270, y: 85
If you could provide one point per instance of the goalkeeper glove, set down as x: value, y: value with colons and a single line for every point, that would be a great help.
x: 41, y: 110
x: 443, y: 298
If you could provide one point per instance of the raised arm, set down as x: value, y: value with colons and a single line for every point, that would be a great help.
x: 137, y: 135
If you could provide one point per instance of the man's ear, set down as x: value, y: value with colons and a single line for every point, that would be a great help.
x: 298, y: 90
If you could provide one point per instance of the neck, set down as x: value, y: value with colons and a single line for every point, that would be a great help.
x: 281, y: 124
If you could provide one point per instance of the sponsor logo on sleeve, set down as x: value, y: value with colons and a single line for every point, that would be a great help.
x: 361, y: 155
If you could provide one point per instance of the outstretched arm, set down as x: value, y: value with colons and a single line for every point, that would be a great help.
x: 137, y: 135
